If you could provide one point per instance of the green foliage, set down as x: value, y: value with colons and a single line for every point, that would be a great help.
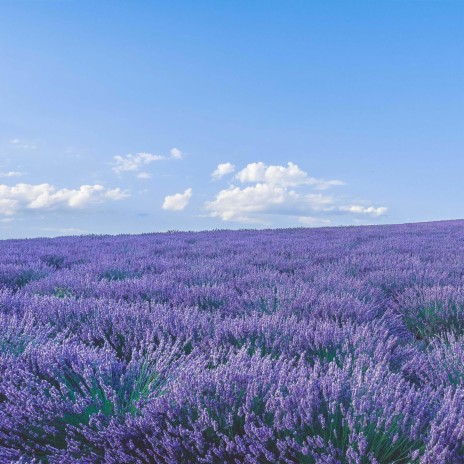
x: 433, y: 320
x: 63, y: 292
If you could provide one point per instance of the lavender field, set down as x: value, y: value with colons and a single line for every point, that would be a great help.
x: 333, y: 345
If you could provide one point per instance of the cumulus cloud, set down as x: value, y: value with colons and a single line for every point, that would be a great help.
x: 222, y: 170
x: 280, y: 190
x: 46, y: 196
x: 246, y: 204
x: 285, y: 176
x: 133, y: 162
x: 178, y: 201
x: 236, y: 204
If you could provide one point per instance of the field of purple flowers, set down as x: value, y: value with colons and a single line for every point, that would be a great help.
x: 333, y: 345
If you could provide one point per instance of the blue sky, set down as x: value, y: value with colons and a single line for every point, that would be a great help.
x: 114, y: 115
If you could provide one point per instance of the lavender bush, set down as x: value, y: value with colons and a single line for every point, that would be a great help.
x: 325, y: 346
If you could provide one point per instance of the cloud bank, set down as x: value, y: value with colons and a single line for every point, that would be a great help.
x: 280, y: 190
x: 45, y: 196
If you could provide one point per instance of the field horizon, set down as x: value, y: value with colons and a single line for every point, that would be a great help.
x: 244, y: 229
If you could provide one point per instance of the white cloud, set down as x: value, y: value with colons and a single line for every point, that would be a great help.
x: 12, y: 174
x: 370, y: 210
x: 133, y: 162
x: 279, y: 190
x: 178, y: 201
x: 46, y: 196
x: 236, y: 204
x: 176, y: 153
x: 222, y: 170
x: 246, y: 204
x: 144, y: 175
x: 8, y: 206
x: 286, y: 176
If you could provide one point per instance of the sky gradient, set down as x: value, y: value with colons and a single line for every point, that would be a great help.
x: 129, y: 117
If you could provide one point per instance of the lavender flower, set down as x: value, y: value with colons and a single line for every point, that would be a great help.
x: 336, y: 346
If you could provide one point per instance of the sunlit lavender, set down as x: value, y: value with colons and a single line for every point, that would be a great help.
x: 333, y: 345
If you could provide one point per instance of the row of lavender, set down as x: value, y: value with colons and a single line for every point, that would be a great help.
x: 336, y: 345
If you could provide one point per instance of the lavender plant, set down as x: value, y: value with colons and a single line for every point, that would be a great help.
x: 332, y: 345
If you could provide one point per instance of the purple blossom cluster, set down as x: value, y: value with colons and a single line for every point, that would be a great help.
x: 325, y: 346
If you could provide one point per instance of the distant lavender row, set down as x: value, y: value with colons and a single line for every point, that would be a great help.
x: 325, y: 346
